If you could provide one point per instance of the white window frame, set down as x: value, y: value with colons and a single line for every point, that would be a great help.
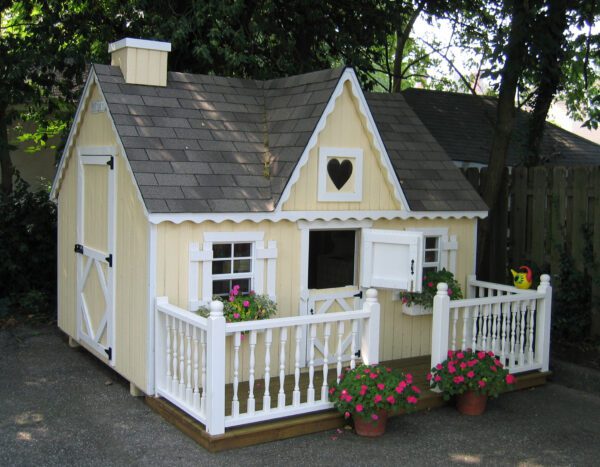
x: 232, y: 276
x: 447, y: 246
x: 356, y: 155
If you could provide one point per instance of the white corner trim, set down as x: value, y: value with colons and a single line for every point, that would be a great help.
x: 293, y: 216
x: 356, y: 154
x: 347, y: 75
x: 76, y: 120
x: 217, y: 237
x: 151, y: 331
x: 139, y: 44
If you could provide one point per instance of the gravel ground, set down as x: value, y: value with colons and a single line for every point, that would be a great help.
x: 60, y: 406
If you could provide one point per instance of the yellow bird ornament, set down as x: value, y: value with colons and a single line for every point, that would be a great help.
x: 522, y: 280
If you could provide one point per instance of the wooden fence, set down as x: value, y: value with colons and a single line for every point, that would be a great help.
x: 541, y: 211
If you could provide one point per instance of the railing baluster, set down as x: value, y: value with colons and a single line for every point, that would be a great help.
x: 475, y: 327
x: 454, y: 320
x: 203, y: 370
x: 235, y: 402
x: 196, y: 396
x: 251, y: 400
x: 168, y: 345
x: 486, y: 317
x: 340, y: 334
x: 513, y: 316
x: 296, y: 393
x: 530, y: 358
x: 267, y: 394
x: 325, y: 386
x: 494, y: 327
x: 465, y: 327
x: 353, y: 350
x: 505, y: 314
x: 181, y: 361
x: 282, y: 344
x: 175, y: 379
x: 188, y: 365
x: 311, y: 365
x: 522, y: 334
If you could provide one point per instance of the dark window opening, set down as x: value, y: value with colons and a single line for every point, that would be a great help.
x: 331, y: 258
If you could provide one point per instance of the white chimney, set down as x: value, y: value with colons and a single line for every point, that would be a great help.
x: 141, y: 61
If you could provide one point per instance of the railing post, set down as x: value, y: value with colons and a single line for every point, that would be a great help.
x: 160, y: 331
x: 543, y: 323
x: 215, y: 370
x: 440, y: 325
x: 471, y: 289
x: 369, y: 346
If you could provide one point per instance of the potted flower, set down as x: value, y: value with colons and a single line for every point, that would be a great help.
x: 239, y: 307
x: 421, y: 303
x: 472, y: 377
x: 368, y: 393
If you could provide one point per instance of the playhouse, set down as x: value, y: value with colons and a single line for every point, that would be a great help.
x: 304, y: 188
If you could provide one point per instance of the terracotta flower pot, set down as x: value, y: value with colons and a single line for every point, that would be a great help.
x: 368, y: 427
x: 471, y: 403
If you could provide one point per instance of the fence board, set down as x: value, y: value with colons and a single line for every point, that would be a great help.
x: 518, y: 215
x: 595, y: 180
x: 538, y: 216
x: 558, y: 215
x: 579, y: 210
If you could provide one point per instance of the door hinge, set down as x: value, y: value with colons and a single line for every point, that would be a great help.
x: 359, y: 294
x: 111, y: 163
x: 357, y: 354
x: 109, y: 260
x: 312, y: 312
x: 109, y: 352
x: 78, y: 248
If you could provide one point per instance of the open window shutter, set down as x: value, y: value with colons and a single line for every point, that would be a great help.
x: 266, y: 261
x: 449, y: 246
x: 392, y: 259
x: 200, y: 258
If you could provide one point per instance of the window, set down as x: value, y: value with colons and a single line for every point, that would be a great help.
x: 232, y: 265
x: 331, y: 258
x: 432, y: 253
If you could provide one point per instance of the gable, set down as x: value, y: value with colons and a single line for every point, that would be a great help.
x: 345, y: 139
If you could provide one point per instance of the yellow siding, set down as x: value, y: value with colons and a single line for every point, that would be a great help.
x: 131, y: 251
x: 345, y: 128
x: 401, y: 335
x: 142, y: 66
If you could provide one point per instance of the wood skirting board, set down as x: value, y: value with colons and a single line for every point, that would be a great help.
x: 291, y: 427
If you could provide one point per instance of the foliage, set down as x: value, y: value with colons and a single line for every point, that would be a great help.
x: 367, y: 389
x: 239, y: 307
x: 468, y: 370
x: 28, y: 251
x: 572, y: 297
x: 429, y: 290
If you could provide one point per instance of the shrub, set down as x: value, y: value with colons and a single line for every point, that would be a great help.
x: 238, y: 307
x: 430, y: 281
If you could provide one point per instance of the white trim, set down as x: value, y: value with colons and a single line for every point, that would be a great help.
x: 207, y: 288
x: 325, y: 153
x: 152, y: 327
x: 335, y: 224
x: 139, y: 44
x: 474, y: 266
x: 347, y: 75
x: 237, y: 237
x: 293, y: 216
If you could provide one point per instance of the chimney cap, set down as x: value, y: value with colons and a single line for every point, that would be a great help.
x: 139, y: 44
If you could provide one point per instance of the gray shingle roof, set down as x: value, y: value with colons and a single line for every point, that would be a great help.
x: 463, y: 125
x: 204, y: 143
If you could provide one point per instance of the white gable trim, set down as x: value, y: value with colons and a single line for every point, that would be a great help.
x: 293, y: 216
x: 68, y: 148
x: 347, y: 75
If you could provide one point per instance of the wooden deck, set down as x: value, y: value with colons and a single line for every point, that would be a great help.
x: 300, y: 425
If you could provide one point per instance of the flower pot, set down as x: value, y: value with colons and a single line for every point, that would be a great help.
x: 471, y: 403
x: 368, y: 427
x: 416, y: 310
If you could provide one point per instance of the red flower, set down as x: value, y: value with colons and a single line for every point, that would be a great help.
x: 510, y: 379
x: 437, y: 378
x: 460, y: 355
x: 429, y: 376
x: 449, y: 291
x: 439, y: 366
x: 409, y: 378
x: 430, y: 284
x: 481, y: 383
x: 391, y: 400
x: 416, y: 389
x: 463, y: 365
x: 458, y: 379
x: 481, y: 355
x: 472, y: 363
x: 471, y: 374
x: 411, y: 400
x: 493, y: 368
x: 377, y: 398
x: 363, y: 390
x: 373, y: 375
x: 359, y: 407
x: 450, y: 354
x: 490, y: 353
x: 498, y: 363
x: 381, y: 386
x: 451, y: 369
x: 332, y: 390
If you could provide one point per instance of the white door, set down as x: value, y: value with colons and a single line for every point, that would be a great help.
x: 341, y: 337
x: 94, y: 248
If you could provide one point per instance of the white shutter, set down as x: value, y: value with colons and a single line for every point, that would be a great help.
x: 448, y: 250
x: 392, y: 259
x: 200, y: 257
x: 266, y: 261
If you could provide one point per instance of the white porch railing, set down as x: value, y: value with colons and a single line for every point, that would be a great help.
x: 191, y: 357
x: 512, y: 323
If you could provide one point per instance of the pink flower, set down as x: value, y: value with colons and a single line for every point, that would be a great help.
x: 490, y: 353
x: 404, y: 300
x: 429, y: 376
x: 493, y: 368
x: 246, y: 303
x: 481, y: 383
x: 400, y: 389
x: 332, y: 390
x: 235, y: 291
x: 373, y: 375
x: 374, y: 416
x: 439, y: 366
x: 450, y: 354
x: 472, y: 362
x: 449, y: 291
x: 359, y: 407
x: 498, y: 363
x: 471, y: 374
x: 416, y: 389
x: 429, y: 284
x: 347, y: 415
x: 231, y: 299
x: 451, y: 369
x: 409, y: 378
x: 391, y: 399
x: 236, y: 315
x: 481, y: 355
x: 381, y: 386
x: 357, y: 376
x: 363, y: 390
x: 236, y: 287
x: 367, y: 370
x: 460, y: 355
x: 377, y: 399
x: 458, y: 379
x: 411, y: 400
x: 463, y: 365
x: 437, y: 378
x: 344, y: 391
x: 510, y: 379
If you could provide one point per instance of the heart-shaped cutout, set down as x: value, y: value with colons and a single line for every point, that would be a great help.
x: 339, y: 172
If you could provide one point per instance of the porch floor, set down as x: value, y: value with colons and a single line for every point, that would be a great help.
x: 284, y: 428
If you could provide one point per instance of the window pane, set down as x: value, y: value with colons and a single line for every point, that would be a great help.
x: 331, y: 258
x: 429, y: 269
x: 241, y: 265
x: 221, y: 287
x: 221, y: 267
x: 431, y: 242
x: 222, y: 250
x: 241, y: 249
x: 431, y: 256
x: 243, y: 283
